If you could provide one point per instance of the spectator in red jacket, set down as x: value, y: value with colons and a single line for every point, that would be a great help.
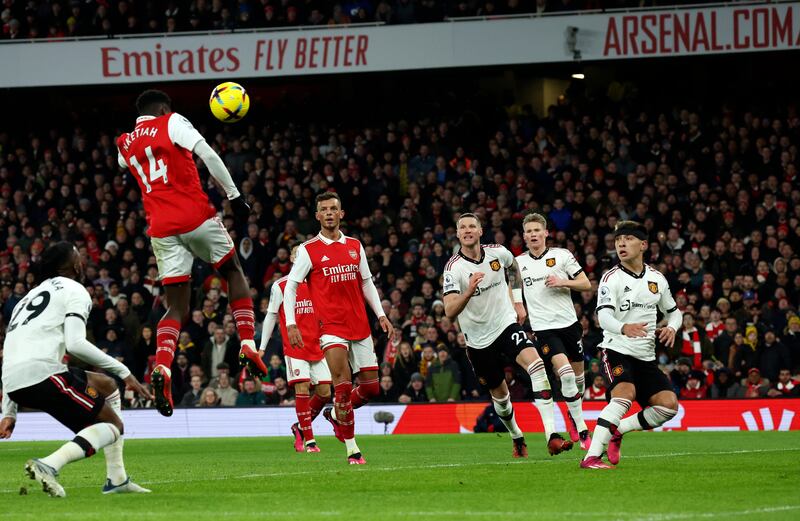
x: 695, y: 387
x: 280, y: 266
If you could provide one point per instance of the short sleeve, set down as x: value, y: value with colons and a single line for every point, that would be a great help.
x: 182, y: 133
x: 505, y: 256
x: 301, y: 266
x: 79, y: 303
x: 571, y: 265
x: 363, y: 264
x: 450, y: 283
x: 121, y: 161
x: 667, y: 302
x: 606, y: 295
x: 275, y: 298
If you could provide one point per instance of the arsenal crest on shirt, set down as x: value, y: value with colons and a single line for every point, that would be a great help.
x: 495, y: 265
x: 652, y: 286
x: 353, y: 254
x: 550, y: 262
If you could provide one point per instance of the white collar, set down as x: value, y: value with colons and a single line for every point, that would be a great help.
x: 144, y: 118
x: 326, y: 241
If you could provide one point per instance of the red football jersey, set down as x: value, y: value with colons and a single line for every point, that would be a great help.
x: 334, y: 270
x: 307, y: 323
x: 158, y: 153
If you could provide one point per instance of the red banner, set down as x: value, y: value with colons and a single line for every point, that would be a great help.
x: 700, y: 415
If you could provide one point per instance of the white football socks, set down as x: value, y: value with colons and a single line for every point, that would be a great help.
x: 572, y: 396
x: 505, y: 411
x: 543, y: 396
x: 609, y: 418
x: 85, y: 444
x: 649, y: 418
x: 115, y: 467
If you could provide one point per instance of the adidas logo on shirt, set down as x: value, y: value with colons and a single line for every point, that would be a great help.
x: 626, y: 290
x: 324, y: 258
x: 524, y: 268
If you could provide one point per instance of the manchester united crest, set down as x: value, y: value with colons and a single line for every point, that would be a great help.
x: 545, y: 349
x: 550, y: 262
x: 353, y: 254
x: 91, y: 392
x: 617, y: 370
x: 653, y: 287
x: 495, y: 265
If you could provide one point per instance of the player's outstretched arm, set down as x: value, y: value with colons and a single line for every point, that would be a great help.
x: 275, y: 302
x: 266, y: 331
x: 76, y: 344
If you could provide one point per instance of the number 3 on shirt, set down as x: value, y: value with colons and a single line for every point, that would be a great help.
x: 157, y: 169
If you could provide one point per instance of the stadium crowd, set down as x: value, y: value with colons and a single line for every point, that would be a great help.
x: 59, y: 19
x: 718, y: 191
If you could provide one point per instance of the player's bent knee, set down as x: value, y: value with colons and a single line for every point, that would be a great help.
x: 666, y: 399
x: 624, y: 390
x: 107, y: 415
x: 103, y: 383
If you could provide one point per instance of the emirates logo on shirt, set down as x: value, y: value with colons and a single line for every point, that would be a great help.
x: 341, y: 273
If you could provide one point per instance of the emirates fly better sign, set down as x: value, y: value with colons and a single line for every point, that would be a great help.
x: 638, y: 34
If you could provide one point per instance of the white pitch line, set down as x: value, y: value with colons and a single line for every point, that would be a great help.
x: 434, y: 466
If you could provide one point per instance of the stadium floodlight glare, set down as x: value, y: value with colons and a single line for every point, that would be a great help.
x: 578, y: 76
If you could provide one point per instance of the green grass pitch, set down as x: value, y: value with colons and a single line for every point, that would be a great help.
x: 662, y: 476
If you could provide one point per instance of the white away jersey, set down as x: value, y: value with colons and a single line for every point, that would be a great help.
x: 634, y: 298
x: 34, y: 345
x: 548, y: 308
x: 489, y: 311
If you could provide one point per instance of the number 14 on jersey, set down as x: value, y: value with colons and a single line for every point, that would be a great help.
x: 156, y: 168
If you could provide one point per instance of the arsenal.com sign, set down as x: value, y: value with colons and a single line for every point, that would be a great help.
x: 638, y: 34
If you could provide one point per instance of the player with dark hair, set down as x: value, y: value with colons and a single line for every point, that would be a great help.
x: 340, y: 282
x: 629, y: 297
x: 548, y: 276
x: 305, y: 365
x: 183, y: 225
x: 476, y: 292
x: 49, y: 322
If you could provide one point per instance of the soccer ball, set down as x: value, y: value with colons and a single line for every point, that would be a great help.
x: 229, y: 102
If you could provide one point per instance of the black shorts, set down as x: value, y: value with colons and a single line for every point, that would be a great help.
x: 567, y: 341
x: 64, y: 396
x: 645, y: 376
x: 490, y: 362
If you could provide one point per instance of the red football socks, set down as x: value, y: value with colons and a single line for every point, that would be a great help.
x: 364, y: 392
x: 315, y: 405
x: 166, y: 341
x: 245, y: 319
x: 344, y: 409
x: 301, y: 405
